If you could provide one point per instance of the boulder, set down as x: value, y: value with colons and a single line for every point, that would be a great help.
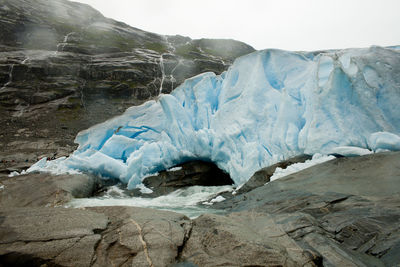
x: 261, y: 177
x: 45, y: 190
x: 56, y: 237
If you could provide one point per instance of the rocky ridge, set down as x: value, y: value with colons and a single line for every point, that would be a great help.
x: 65, y: 67
x: 344, y: 212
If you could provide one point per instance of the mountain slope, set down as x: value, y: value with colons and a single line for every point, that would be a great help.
x: 65, y: 64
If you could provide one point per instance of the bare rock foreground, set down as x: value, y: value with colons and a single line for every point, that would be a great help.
x: 345, y: 212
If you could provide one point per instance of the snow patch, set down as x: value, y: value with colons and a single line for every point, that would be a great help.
x: 174, y: 169
x: 351, y: 151
x: 296, y: 167
x: 15, y: 173
x: 217, y: 199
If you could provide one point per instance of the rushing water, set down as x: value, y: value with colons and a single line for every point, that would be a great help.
x: 187, y: 201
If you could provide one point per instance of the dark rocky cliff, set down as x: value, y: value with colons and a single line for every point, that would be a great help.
x: 64, y: 67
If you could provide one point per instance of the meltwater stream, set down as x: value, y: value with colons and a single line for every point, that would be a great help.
x: 188, y: 201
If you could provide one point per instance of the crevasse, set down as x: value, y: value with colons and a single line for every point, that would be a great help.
x: 269, y: 105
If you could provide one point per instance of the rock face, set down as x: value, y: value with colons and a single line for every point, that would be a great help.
x: 62, y: 237
x: 110, y: 236
x: 65, y: 64
x: 261, y: 177
x: 242, y: 239
x: 141, y: 237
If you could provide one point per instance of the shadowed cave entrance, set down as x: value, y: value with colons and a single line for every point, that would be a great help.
x: 191, y: 173
x: 189, y: 188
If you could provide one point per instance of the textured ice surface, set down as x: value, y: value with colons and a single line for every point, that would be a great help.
x: 384, y: 141
x: 270, y: 105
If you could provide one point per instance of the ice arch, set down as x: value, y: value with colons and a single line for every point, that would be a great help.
x: 269, y: 105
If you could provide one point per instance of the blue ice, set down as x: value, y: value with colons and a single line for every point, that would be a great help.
x: 270, y: 105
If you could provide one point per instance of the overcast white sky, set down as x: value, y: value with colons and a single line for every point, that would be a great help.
x: 284, y: 24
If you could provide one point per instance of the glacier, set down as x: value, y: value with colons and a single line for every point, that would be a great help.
x: 268, y: 106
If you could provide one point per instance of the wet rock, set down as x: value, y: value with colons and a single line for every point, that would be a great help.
x: 261, y: 177
x: 185, y: 175
x: 344, y: 211
x: 45, y: 190
x: 340, y: 213
x: 21, y: 154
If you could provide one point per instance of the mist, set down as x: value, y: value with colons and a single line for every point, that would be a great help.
x: 289, y: 24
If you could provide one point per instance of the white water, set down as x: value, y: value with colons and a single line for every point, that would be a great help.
x: 67, y: 36
x: 171, y: 47
x: 173, y: 80
x: 186, y: 201
x: 162, y: 72
x: 62, y: 45
x: 25, y: 60
x: 9, y: 78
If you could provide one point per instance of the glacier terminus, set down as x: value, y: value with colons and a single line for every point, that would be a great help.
x: 269, y: 106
